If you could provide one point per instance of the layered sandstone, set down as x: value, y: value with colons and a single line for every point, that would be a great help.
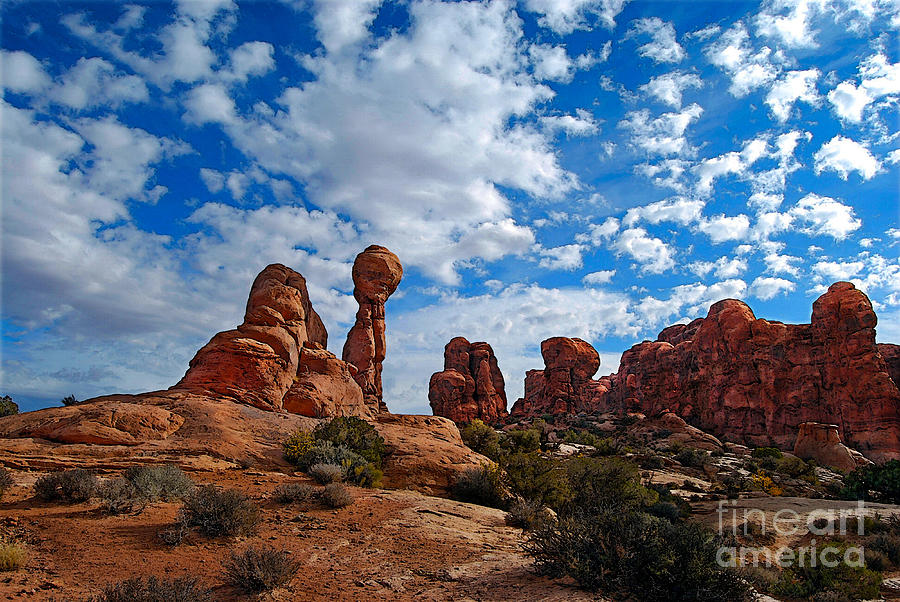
x: 753, y: 381
x: 891, y: 355
x: 822, y: 443
x: 376, y: 274
x: 470, y: 386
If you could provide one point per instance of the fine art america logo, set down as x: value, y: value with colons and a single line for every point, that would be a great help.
x: 787, y: 525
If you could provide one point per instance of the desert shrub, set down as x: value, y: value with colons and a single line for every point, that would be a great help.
x: 260, y: 569
x: 768, y: 463
x: 326, y: 473
x: 831, y: 596
x: 481, y: 438
x: 877, y: 482
x: 877, y: 561
x: 886, y: 543
x: 362, y: 473
x: 733, y: 484
x: 117, y: 495
x: 527, y: 514
x: 793, y: 467
x: 13, y: 555
x: 692, y: 458
x: 336, y: 495
x: 287, y: 493
x: 482, y: 485
x: 857, y: 583
x: 534, y: 477
x: 68, y: 400
x: 652, y: 462
x: 153, y: 589
x: 73, y: 486
x: 6, y: 480
x: 600, y: 484
x: 767, y: 452
x: 7, y: 406
x: 296, y: 446
x: 220, y: 513
x: 355, y: 434
x: 166, y: 482
x: 667, y: 510
x: 522, y: 441
x: 326, y: 452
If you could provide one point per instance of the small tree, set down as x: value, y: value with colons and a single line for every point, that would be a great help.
x: 69, y: 400
x: 7, y: 406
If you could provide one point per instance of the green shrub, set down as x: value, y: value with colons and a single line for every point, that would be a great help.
x: 767, y: 452
x: 692, y: 458
x: 521, y: 441
x: 258, y: 570
x: 534, y: 477
x: 877, y: 561
x: 6, y: 480
x: 361, y: 473
x: 326, y: 473
x: 527, y: 514
x: 336, y: 495
x: 68, y: 400
x: 794, y: 467
x: 296, y: 446
x: 355, y: 434
x: 877, y: 482
x: 287, y: 493
x: 857, y: 583
x: 73, y: 486
x: 601, y: 484
x: 152, y: 589
x: 13, y: 555
x: 117, y: 495
x: 220, y: 513
x: 888, y: 544
x: 481, y: 438
x: 7, y: 406
x: 326, y: 452
x: 160, y: 482
x: 768, y: 463
x: 482, y: 485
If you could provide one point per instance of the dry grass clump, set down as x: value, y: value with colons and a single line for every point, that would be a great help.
x: 260, y: 569
x: 73, y: 486
x: 336, y: 495
x: 288, y: 493
x: 326, y: 473
x: 13, y: 555
x: 152, y: 589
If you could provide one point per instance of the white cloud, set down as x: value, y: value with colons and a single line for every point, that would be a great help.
x: 843, y: 156
x: 792, y: 87
x: 722, y: 228
x: 877, y: 78
x: 250, y: 59
x: 565, y: 16
x: 663, y: 48
x: 825, y: 216
x: 652, y: 254
x: 733, y: 54
x: 833, y: 271
x: 849, y: 101
x: 663, y: 135
x: 679, y: 210
x: 213, y: 179
x: 723, y: 267
x: 670, y: 87
x: 788, y: 21
x: 600, y: 233
x: 598, y: 278
x: 580, y: 124
x: 688, y: 301
x: 21, y: 72
x: 589, y: 59
x: 343, y: 23
x: 209, y: 103
x: 766, y: 288
x: 782, y: 264
x: 95, y: 82
x: 551, y: 63
x: 566, y: 257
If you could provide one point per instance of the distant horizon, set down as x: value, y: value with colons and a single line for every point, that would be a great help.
x: 597, y: 169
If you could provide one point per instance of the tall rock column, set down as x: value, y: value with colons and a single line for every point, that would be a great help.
x: 470, y: 386
x: 376, y: 274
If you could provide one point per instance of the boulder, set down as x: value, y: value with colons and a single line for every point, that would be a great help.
x: 376, y: 275
x: 822, y: 443
x: 324, y: 387
x: 470, y: 386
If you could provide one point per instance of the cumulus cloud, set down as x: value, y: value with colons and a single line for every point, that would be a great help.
x: 766, y: 288
x: 843, y: 156
x: 651, y: 254
x: 669, y: 88
x: 565, y: 16
x: 565, y: 257
x: 663, y: 135
x: 663, y: 47
x: 722, y: 228
x: 21, y: 72
x: 598, y: 278
x: 748, y: 69
x: 209, y: 103
x: 878, y: 78
x: 792, y: 87
x: 682, y: 211
x: 788, y: 22
x: 580, y: 124
x: 723, y: 267
x: 551, y: 63
x: 832, y: 271
x: 688, y: 301
x: 824, y: 215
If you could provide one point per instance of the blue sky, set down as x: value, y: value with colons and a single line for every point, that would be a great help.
x: 590, y: 168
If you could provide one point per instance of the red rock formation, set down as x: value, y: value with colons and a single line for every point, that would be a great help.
x: 891, y: 355
x: 376, y: 274
x: 470, y: 386
x: 564, y: 386
x: 754, y: 381
x: 821, y: 442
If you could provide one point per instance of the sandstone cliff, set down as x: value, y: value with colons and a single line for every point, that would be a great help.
x: 470, y: 386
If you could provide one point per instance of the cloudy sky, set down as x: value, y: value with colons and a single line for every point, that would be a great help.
x: 590, y: 168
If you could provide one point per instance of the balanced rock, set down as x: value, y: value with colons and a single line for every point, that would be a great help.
x: 822, y: 443
x: 470, y: 386
x: 376, y: 274
x: 565, y: 385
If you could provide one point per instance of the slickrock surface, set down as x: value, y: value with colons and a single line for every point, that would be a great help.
x: 744, y: 379
x: 376, y: 274
x: 822, y: 443
x: 470, y: 386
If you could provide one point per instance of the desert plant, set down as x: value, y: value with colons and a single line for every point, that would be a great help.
x: 601, y: 484
x: 166, y: 482
x: 7, y: 406
x: 13, y: 555
x: 260, y: 569
x: 521, y: 441
x: 877, y: 482
x: 767, y: 452
x: 362, y: 473
x: 326, y: 473
x: 527, y: 514
x: 117, y: 495
x: 482, y: 485
x: 855, y: 582
x: 692, y: 458
x: 287, y: 493
x: 73, y: 486
x: 153, y: 589
x: 533, y: 477
x: 888, y: 544
x: 336, y: 495
x: 6, y: 480
x: 481, y: 438
x: 355, y: 434
x: 220, y: 513
x: 68, y: 400
x: 794, y: 467
x: 296, y: 446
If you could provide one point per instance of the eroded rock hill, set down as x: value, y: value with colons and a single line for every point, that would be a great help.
x: 470, y: 386
x: 743, y: 379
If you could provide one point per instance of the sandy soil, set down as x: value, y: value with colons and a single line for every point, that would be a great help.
x: 388, y: 545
